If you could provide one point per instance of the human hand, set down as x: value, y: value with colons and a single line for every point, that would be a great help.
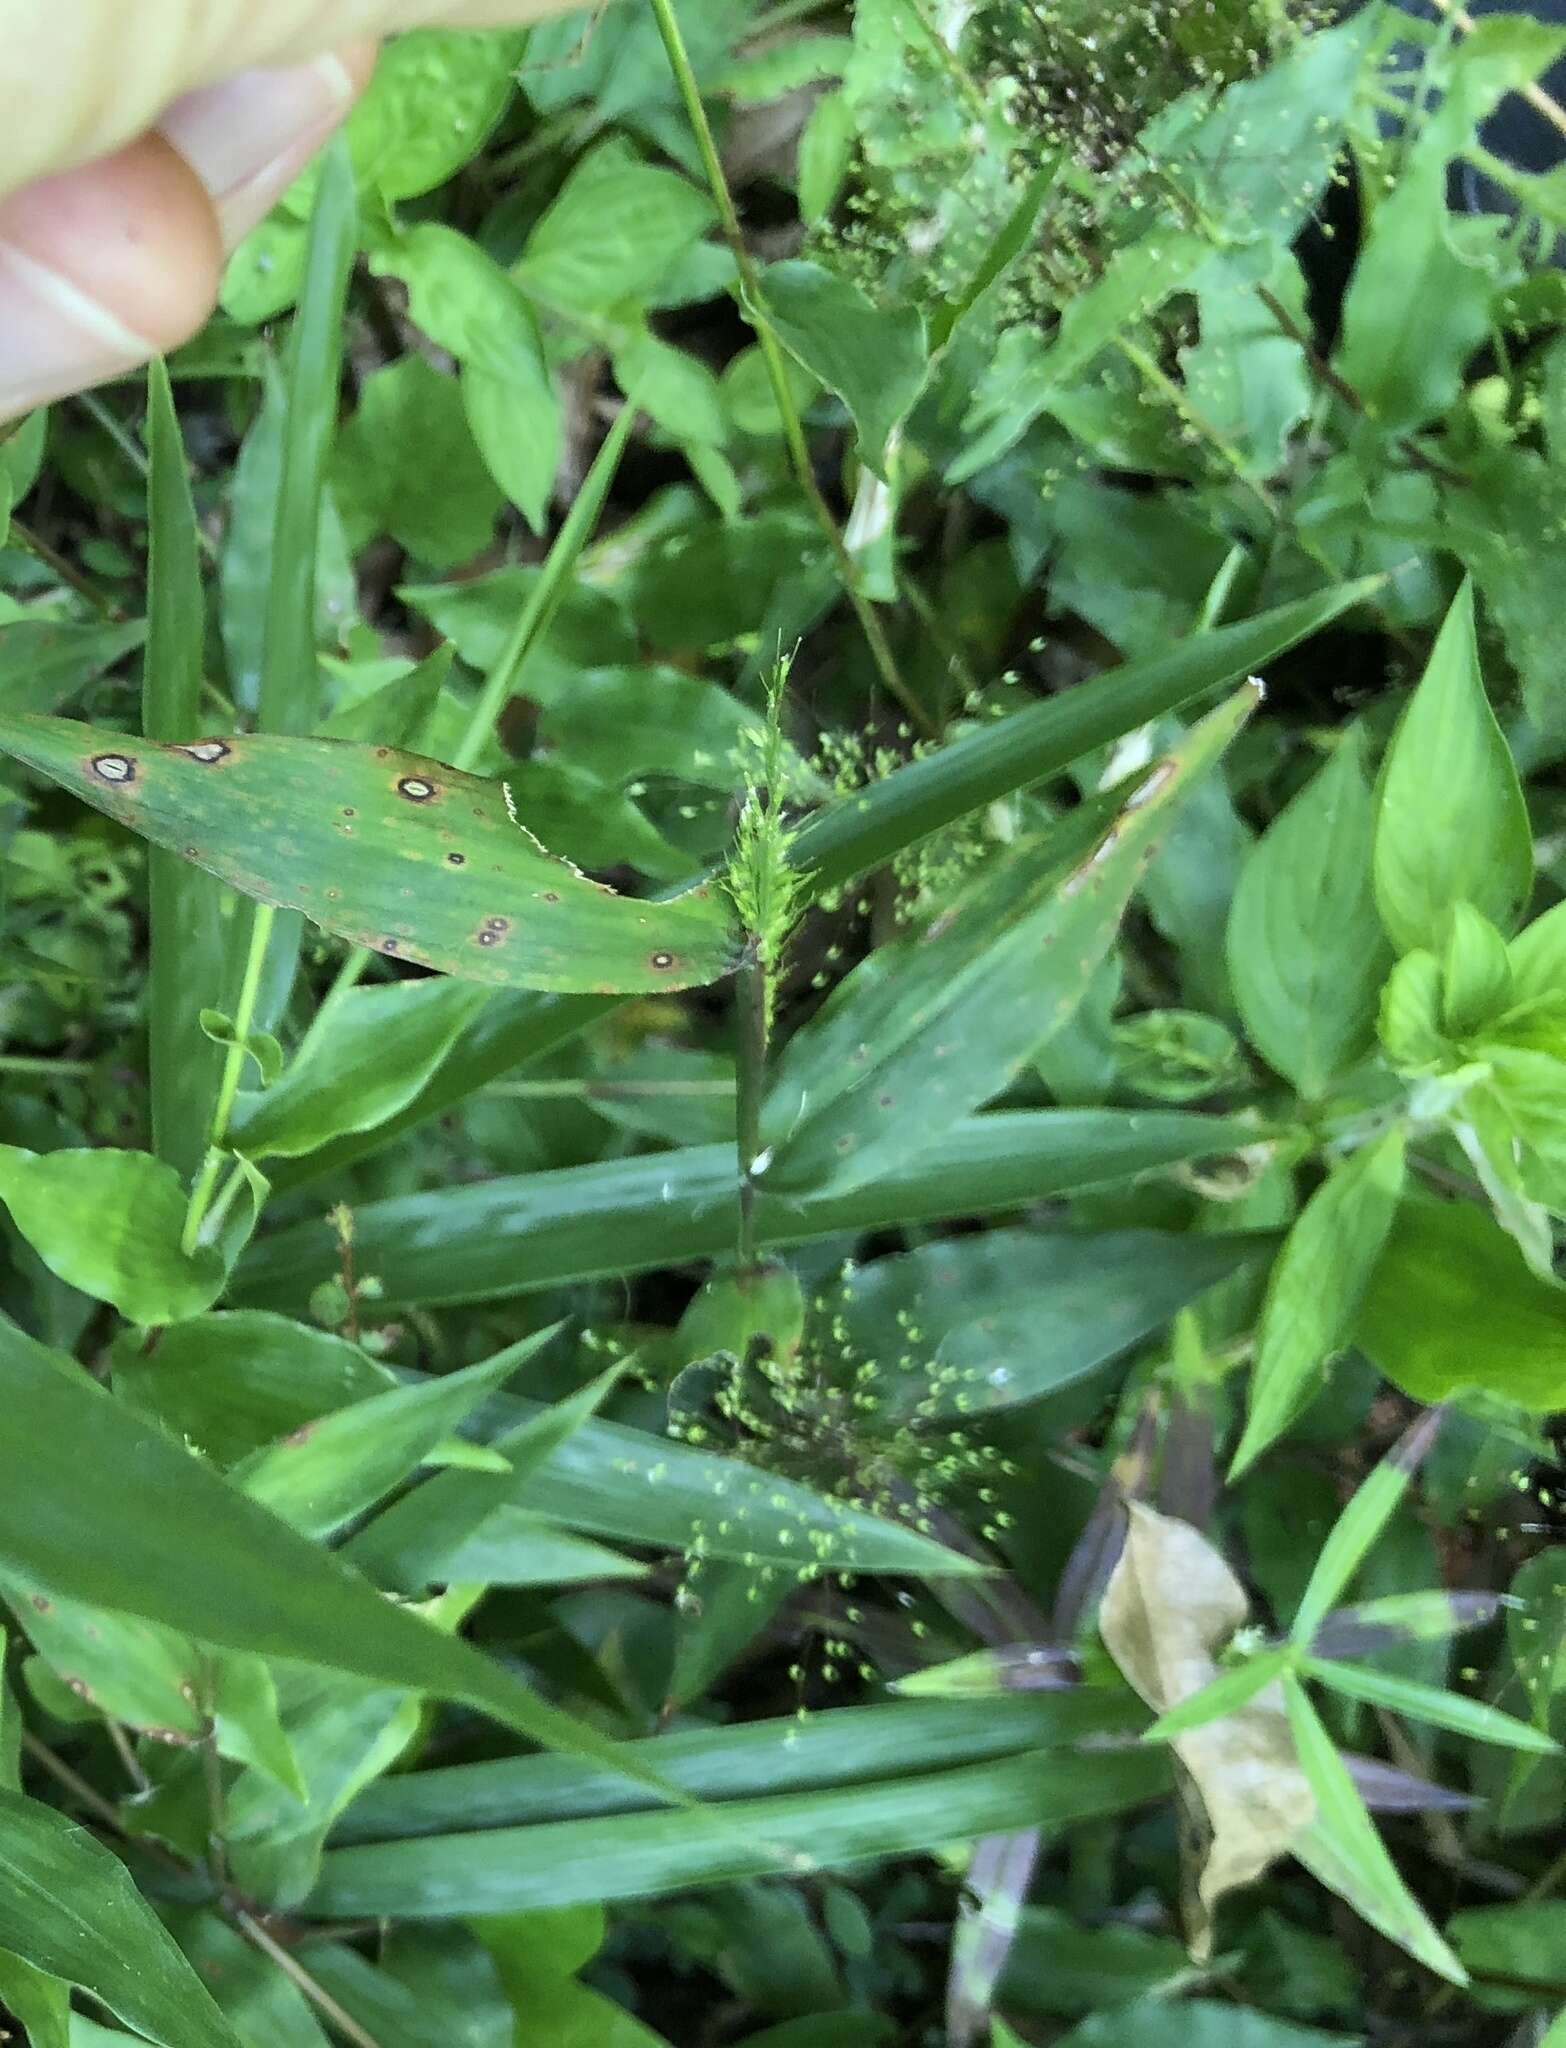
x: 141, y: 139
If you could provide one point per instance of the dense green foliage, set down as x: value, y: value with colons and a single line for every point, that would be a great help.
x: 781, y: 1456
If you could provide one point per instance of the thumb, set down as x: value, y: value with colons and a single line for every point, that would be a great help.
x: 118, y: 257
x: 80, y: 78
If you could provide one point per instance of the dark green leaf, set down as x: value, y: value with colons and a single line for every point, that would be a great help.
x: 631, y: 1855
x: 619, y: 1216
x: 874, y: 360
x: 70, y: 1909
x: 185, y: 966
x: 45, y: 662
x: 941, y: 1025
x: 97, y: 1505
x: 839, y: 1746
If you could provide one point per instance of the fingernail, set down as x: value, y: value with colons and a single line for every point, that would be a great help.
x: 53, y: 337
x: 250, y: 137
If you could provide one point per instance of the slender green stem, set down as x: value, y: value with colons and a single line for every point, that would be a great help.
x: 46, y: 1069
x: 542, y: 602
x: 750, y: 1012
x: 544, y: 598
x: 88, y: 1796
x: 233, y: 1069
x: 772, y: 358
x: 68, y: 573
x: 217, y: 1822
x: 317, y: 1993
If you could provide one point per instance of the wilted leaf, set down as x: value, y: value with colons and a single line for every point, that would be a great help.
x: 1171, y: 1603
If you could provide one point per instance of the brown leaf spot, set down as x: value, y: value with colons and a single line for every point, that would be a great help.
x: 117, y: 769
x: 207, y: 752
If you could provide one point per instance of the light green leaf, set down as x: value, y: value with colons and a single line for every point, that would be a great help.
x: 1520, y: 1943
x: 1342, y: 1848
x: 1356, y: 1529
x: 1305, y: 949
x: 1416, y: 309
x: 1316, y: 1287
x: 1451, y: 825
x: 430, y: 107
x: 1221, y: 1696
x: 406, y: 464
x: 1022, y: 377
x: 330, y: 1471
x: 390, y: 850
x: 109, y: 1223
x: 70, y: 1909
x: 1473, y: 1718
x: 1246, y: 375
x: 615, y: 227
x: 874, y: 359
x: 1452, y: 1304
x: 368, y: 1055
x: 1476, y: 973
x: 40, y: 2002
x: 229, y: 1383
x: 461, y: 297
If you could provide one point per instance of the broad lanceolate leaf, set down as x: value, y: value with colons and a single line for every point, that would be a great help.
x: 1452, y: 1305
x: 387, y: 849
x: 100, y: 1506
x: 634, y: 1855
x: 1314, y: 1295
x: 1170, y: 1604
x: 627, y: 1485
x: 1004, y: 1316
x: 69, y: 1908
x: 532, y: 1230
x: 109, y: 1223
x: 1306, y: 952
x: 1452, y: 826
x: 920, y: 1040
x: 1341, y: 1847
x: 367, y: 1055
x: 326, y: 1473
x: 228, y: 1384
